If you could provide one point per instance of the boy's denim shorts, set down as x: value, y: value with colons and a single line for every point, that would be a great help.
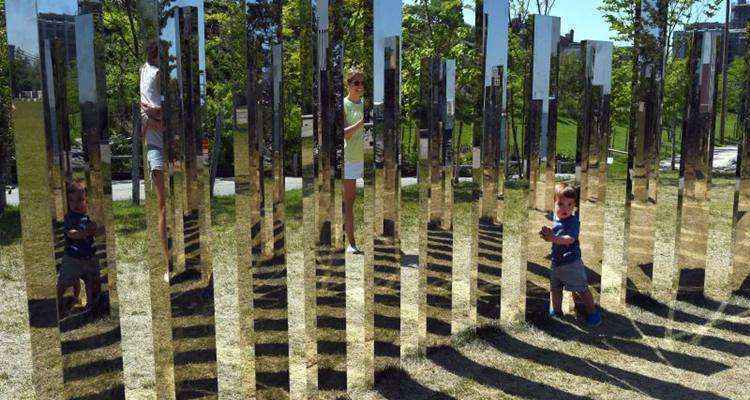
x: 73, y: 269
x: 571, y: 277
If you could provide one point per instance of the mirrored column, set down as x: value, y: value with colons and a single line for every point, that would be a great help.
x: 192, y: 288
x: 593, y: 148
x: 37, y: 241
x: 331, y: 270
x: 387, y: 15
x: 740, y: 278
x: 359, y: 276
x: 643, y: 146
x: 303, y: 322
x: 489, y: 146
x: 693, y: 217
x: 541, y: 132
x: 435, y: 275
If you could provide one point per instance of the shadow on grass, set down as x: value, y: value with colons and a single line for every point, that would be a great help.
x: 458, y: 364
x: 396, y: 384
x: 596, y: 371
x: 10, y: 226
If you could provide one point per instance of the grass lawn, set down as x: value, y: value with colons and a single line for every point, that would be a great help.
x: 675, y: 351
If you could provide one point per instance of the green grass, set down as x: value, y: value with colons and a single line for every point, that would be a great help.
x: 494, y: 363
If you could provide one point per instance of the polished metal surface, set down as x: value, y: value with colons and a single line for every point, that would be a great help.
x: 643, y: 147
x: 303, y: 344
x: 693, y: 218
x: 155, y: 263
x: 387, y: 268
x: 435, y: 276
x: 740, y: 277
x: 541, y: 133
x: 331, y: 269
x: 595, y: 131
x: 489, y: 141
x: 34, y: 181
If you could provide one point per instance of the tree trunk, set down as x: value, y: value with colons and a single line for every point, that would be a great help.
x: 3, y: 196
x: 456, y: 151
x: 673, y: 139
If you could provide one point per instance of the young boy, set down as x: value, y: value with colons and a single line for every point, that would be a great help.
x: 79, y: 261
x: 568, y: 270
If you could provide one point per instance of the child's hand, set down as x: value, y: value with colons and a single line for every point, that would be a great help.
x: 546, y: 233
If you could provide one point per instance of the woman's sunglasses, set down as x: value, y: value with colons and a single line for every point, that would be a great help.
x: 356, y: 83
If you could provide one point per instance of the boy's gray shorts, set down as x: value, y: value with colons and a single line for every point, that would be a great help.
x: 73, y: 269
x: 571, y: 277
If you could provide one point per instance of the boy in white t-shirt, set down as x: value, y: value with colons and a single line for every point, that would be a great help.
x: 152, y: 129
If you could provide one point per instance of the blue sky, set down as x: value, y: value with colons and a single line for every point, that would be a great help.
x: 583, y: 17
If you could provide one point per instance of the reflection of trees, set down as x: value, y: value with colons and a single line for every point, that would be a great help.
x: 25, y: 70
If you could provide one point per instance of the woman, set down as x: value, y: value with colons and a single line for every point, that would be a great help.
x: 354, y: 159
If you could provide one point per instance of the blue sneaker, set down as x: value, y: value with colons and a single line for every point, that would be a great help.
x: 553, y: 314
x: 595, y: 319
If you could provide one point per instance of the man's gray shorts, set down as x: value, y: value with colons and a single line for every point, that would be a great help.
x: 571, y: 277
x: 155, y: 158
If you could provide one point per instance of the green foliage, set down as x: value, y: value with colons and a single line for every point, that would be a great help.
x: 6, y: 135
x: 571, y: 85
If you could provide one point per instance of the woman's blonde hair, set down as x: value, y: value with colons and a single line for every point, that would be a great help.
x: 351, y: 73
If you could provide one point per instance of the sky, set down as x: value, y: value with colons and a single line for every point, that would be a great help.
x: 583, y: 17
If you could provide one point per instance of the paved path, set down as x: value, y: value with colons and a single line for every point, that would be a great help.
x: 725, y: 160
x: 122, y: 190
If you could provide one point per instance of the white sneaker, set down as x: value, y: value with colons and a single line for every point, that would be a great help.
x: 353, y: 250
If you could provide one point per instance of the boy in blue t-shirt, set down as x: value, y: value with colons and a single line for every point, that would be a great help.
x: 568, y: 270
x: 79, y: 261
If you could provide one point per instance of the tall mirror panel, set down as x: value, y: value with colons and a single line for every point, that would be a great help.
x: 541, y: 132
x: 643, y: 146
x: 387, y: 15
x: 331, y: 263
x: 693, y: 217
x: 488, y: 166
x: 592, y: 151
x: 37, y: 218
x: 740, y: 278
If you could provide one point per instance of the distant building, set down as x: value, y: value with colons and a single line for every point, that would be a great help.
x: 60, y: 27
x: 738, y: 40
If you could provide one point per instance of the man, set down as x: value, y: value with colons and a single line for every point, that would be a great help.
x: 152, y: 128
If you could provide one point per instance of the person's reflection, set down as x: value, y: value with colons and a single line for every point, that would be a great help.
x: 354, y: 158
x: 79, y: 261
x: 152, y: 128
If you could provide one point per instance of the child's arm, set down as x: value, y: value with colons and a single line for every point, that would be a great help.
x: 77, y: 234
x: 349, y: 131
x: 564, y: 240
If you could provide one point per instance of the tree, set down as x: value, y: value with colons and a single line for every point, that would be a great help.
x: 6, y: 134
x: 544, y: 6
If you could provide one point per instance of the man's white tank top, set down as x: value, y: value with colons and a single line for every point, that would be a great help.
x: 151, y: 95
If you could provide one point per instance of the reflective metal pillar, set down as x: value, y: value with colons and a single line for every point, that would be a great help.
x: 740, y: 278
x: 37, y: 241
x: 155, y: 263
x: 303, y: 322
x: 435, y: 275
x: 541, y: 132
x: 489, y: 152
x: 693, y: 218
x: 643, y: 146
x: 388, y: 324
x: 593, y: 148
x: 331, y: 269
